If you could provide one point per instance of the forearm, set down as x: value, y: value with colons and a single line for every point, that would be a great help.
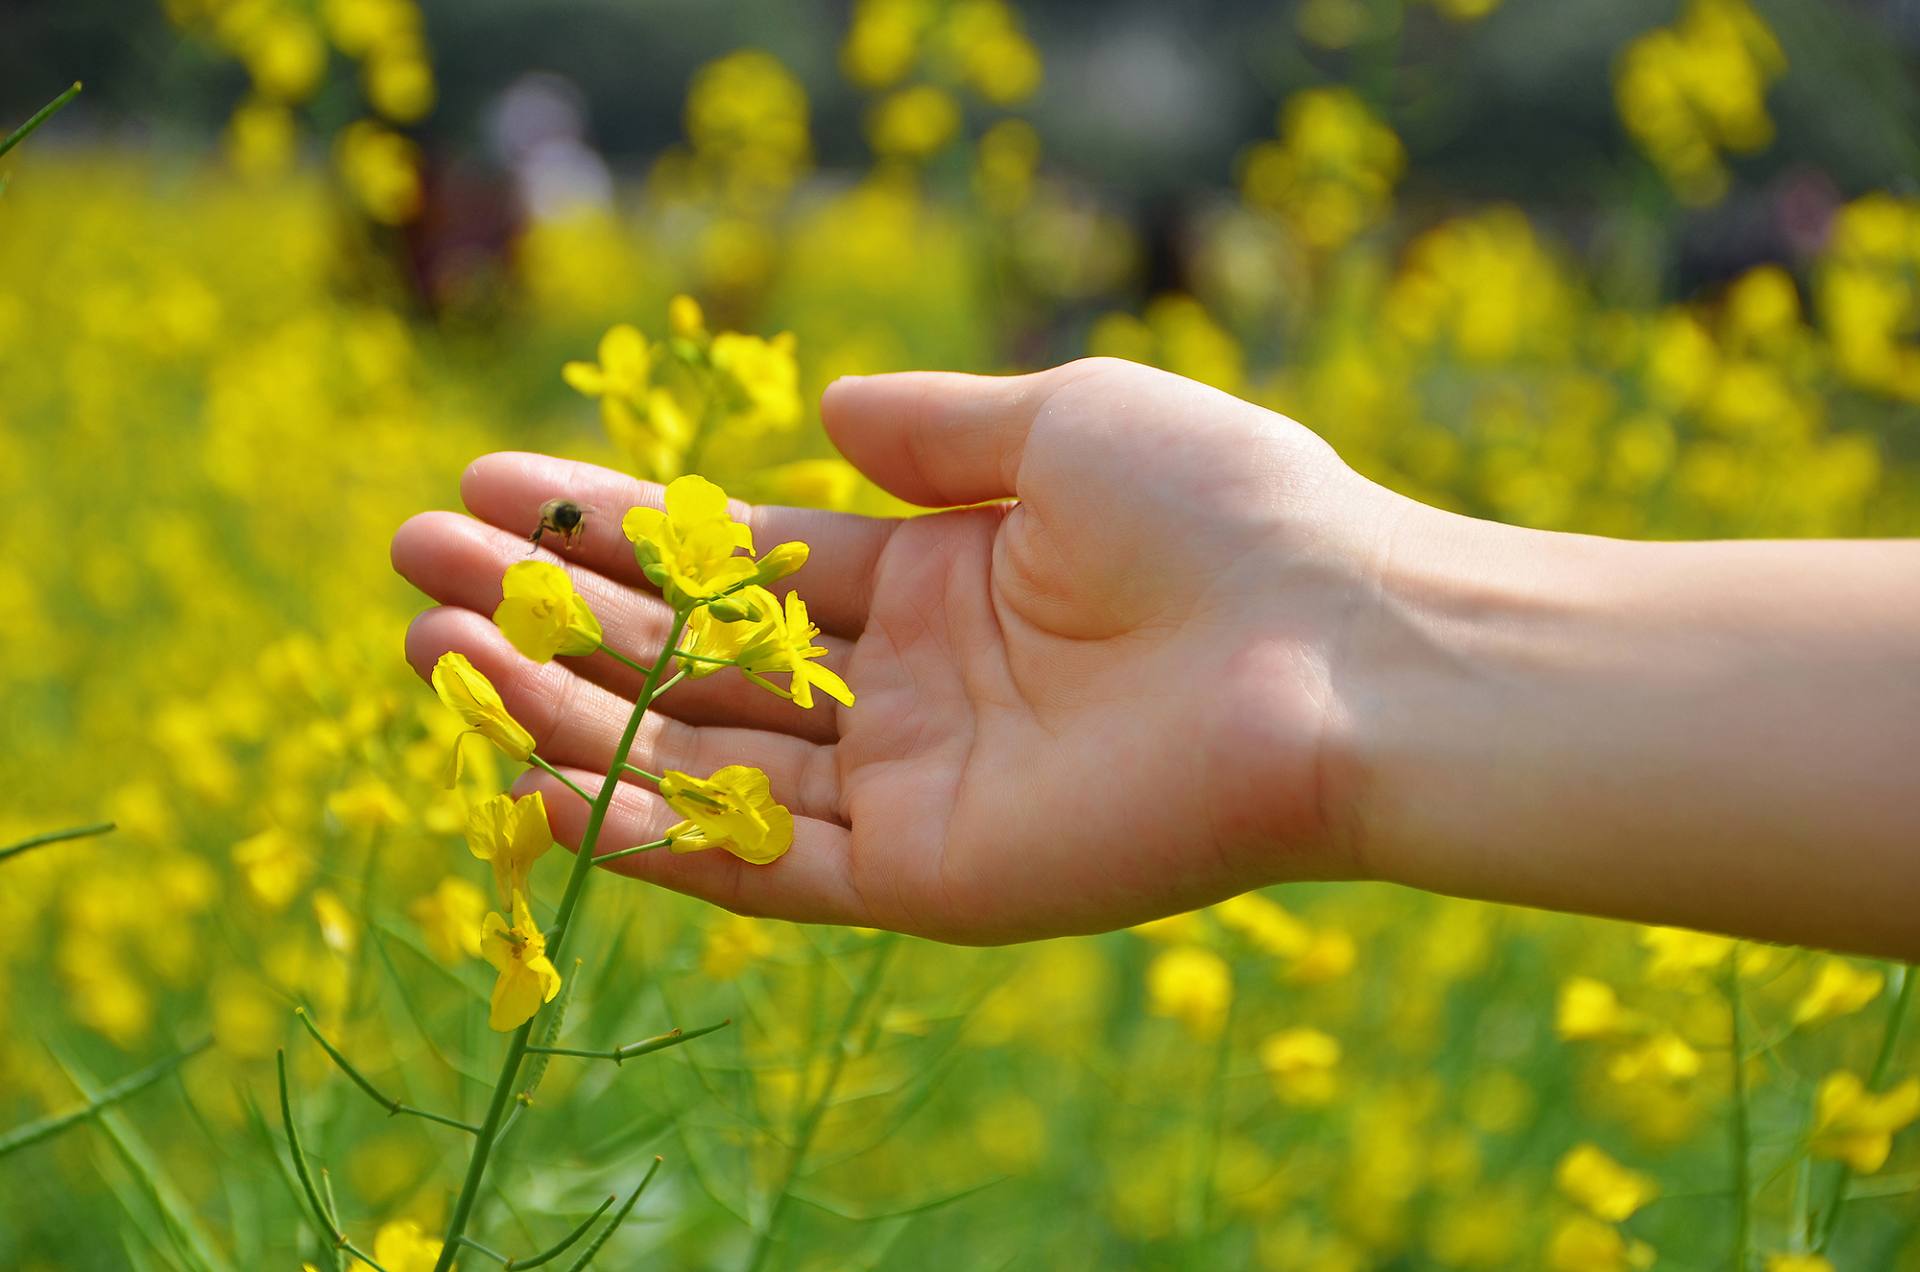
x: 1720, y: 735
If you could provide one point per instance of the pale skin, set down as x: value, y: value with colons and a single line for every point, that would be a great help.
x: 1200, y: 655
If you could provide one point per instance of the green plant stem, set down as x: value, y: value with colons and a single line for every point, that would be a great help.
x: 40, y: 117
x: 562, y: 927
x: 1741, y: 1129
x: 637, y: 771
x: 645, y: 1046
x: 566, y: 1243
x: 618, y: 853
x: 623, y: 660
x: 560, y: 777
x: 488, y: 1251
x: 134, y: 1083
x: 328, y: 1223
x: 810, y: 1124
x: 1829, y: 1216
x: 619, y: 1217
x: 393, y: 1107
x: 689, y: 656
x: 55, y: 837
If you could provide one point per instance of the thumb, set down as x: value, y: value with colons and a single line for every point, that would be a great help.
x: 937, y: 438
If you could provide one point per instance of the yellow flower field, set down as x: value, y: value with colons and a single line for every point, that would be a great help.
x: 226, y: 376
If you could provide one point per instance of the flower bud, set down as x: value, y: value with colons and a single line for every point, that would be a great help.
x: 779, y: 562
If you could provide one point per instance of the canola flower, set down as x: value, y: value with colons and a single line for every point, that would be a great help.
x: 733, y: 809
x: 542, y: 616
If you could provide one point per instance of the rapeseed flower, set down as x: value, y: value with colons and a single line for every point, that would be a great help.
x: 1602, y: 1185
x: 450, y: 917
x: 1302, y: 1064
x: 527, y: 978
x: 772, y: 641
x: 473, y: 698
x: 687, y: 551
x: 1852, y: 1125
x: 541, y: 614
x: 510, y: 835
x: 733, y: 809
x: 1192, y: 985
x: 403, y: 1247
x: 1839, y: 989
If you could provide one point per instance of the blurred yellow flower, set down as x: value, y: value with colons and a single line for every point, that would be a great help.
x: 473, y: 698
x: 764, y: 379
x: 1838, y: 989
x: 541, y: 614
x: 1608, y: 1190
x: 527, y: 977
x: 450, y: 917
x: 1665, y: 1057
x: 1302, y: 1064
x: 1192, y: 985
x: 687, y: 551
x: 510, y: 834
x: 1856, y: 1127
x: 403, y: 1247
x: 621, y: 377
x: 1798, y: 1263
x: 274, y: 865
x: 733, y: 943
x: 1589, y: 1010
x: 1584, y: 1244
x: 913, y: 123
x: 381, y: 169
x: 1331, y: 173
x: 733, y: 809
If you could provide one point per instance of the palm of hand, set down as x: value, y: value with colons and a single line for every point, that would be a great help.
x: 1073, y: 712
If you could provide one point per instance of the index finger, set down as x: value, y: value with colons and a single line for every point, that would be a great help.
x: 507, y: 488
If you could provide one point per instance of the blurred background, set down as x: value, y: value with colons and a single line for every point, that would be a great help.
x: 1634, y: 267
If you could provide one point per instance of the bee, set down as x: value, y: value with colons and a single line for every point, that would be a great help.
x: 562, y: 517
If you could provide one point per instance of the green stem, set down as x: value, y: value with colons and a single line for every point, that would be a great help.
x: 132, y: 1084
x: 1741, y: 1128
x: 618, y: 853
x: 321, y: 1215
x: 619, y: 1217
x: 560, y: 777
x: 622, y: 659
x: 565, y: 1243
x: 1829, y: 1218
x: 810, y: 1125
x: 488, y: 1251
x: 562, y: 927
x: 55, y: 837
x: 637, y: 771
x: 40, y: 117
x: 690, y: 656
x: 393, y: 1107
x: 645, y: 1046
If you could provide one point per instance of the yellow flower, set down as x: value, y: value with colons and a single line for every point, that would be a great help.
x: 1302, y: 1064
x: 450, y: 918
x: 620, y: 379
x: 510, y: 834
x: 1798, y: 1263
x: 688, y: 550
x: 734, y: 809
x: 1584, y: 1244
x: 1191, y: 985
x: 1589, y: 1011
x: 472, y: 697
x: 402, y: 1247
x: 734, y: 943
x: 1603, y: 1186
x: 765, y: 377
x: 527, y: 977
x: 274, y: 866
x: 1856, y: 1127
x: 542, y: 615
x: 1838, y: 989
x: 1665, y: 1056
x: 769, y: 642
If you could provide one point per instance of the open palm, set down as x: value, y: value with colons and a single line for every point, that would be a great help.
x: 1102, y: 703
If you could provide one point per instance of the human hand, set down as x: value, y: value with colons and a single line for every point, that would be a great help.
x: 1109, y: 701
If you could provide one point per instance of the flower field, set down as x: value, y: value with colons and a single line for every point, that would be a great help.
x: 228, y: 372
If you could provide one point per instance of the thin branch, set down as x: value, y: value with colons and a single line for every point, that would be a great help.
x: 55, y: 837
x: 566, y: 1243
x: 488, y: 1251
x: 132, y: 1084
x: 619, y: 1216
x: 393, y: 1107
x: 560, y: 777
x: 40, y: 117
x: 618, y: 853
x: 646, y: 1046
x: 322, y: 1216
